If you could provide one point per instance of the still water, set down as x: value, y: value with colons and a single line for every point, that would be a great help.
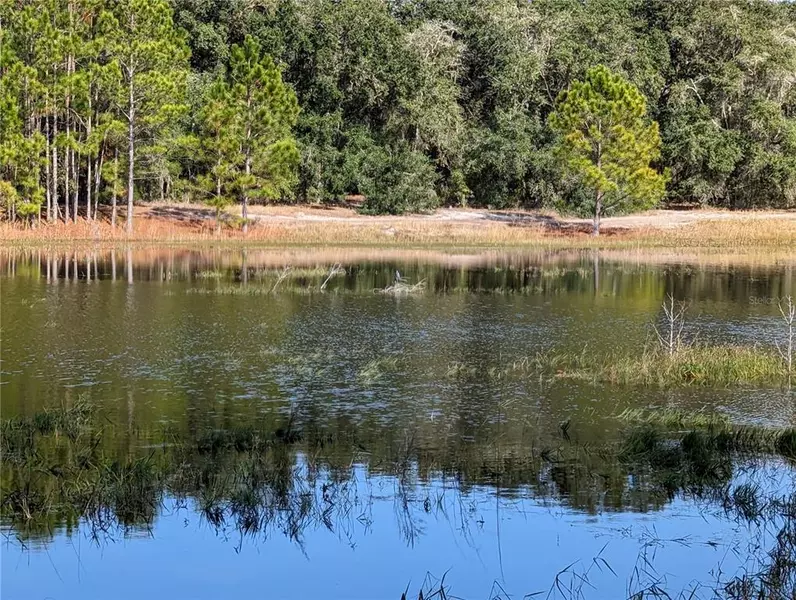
x: 393, y: 449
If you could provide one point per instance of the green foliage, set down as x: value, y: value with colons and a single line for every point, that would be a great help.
x: 20, y: 154
x: 255, y: 113
x: 607, y: 142
x: 152, y: 57
x: 220, y: 133
x: 697, y: 365
x: 8, y: 196
x: 412, y: 104
x: 397, y: 180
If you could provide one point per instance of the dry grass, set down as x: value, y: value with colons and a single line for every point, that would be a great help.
x: 737, y: 233
x: 178, y: 225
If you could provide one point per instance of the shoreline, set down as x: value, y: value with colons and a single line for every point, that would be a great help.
x: 308, y: 226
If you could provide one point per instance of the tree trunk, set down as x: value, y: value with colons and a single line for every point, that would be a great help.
x: 67, y: 154
x: 70, y: 157
x: 598, y: 205
x: 47, y: 163
x: 56, y: 208
x: 598, y: 209
x: 129, y: 264
x: 115, y: 187
x: 76, y: 173
x: 245, y: 206
x: 130, y: 152
x: 66, y: 179
x: 88, y: 165
x: 89, y: 183
x: 98, y: 178
x: 218, y: 205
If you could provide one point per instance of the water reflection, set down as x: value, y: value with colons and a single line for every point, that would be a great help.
x: 254, y: 483
x: 252, y: 398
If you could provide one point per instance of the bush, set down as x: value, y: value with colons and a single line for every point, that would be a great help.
x: 399, y: 180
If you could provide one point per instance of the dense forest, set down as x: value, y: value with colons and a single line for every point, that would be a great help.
x: 410, y: 104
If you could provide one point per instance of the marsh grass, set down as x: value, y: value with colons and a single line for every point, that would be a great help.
x: 716, y: 441
x: 694, y: 365
x: 674, y: 418
x: 232, y: 290
x: 17, y: 435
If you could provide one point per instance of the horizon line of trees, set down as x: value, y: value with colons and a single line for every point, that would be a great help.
x: 411, y: 104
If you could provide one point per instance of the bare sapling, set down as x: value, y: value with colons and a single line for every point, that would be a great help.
x: 788, y: 311
x: 670, y: 336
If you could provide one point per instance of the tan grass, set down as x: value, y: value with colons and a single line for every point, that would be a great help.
x: 748, y: 233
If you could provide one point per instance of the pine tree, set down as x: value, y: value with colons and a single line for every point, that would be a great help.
x: 266, y: 110
x: 21, y: 145
x: 608, y: 142
x: 221, y: 134
x: 152, y: 56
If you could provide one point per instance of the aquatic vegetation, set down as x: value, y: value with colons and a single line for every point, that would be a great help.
x: 401, y: 288
x: 719, y: 365
x: 672, y: 361
x: 59, y: 471
x: 17, y: 435
x: 674, y: 417
x: 717, y: 441
x: 786, y: 350
x: 231, y: 290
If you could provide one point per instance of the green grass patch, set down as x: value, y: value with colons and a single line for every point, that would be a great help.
x: 697, y: 365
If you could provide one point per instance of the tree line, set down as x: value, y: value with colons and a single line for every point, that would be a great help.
x: 410, y: 104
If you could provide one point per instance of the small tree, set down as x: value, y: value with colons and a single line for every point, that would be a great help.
x: 608, y: 142
x: 670, y: 337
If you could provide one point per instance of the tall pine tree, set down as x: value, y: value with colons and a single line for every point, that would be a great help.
x: 266, y: 111
x: 153, y: 59
x: 221, y: 135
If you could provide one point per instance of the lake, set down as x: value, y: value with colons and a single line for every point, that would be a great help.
x: 350, y: 423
